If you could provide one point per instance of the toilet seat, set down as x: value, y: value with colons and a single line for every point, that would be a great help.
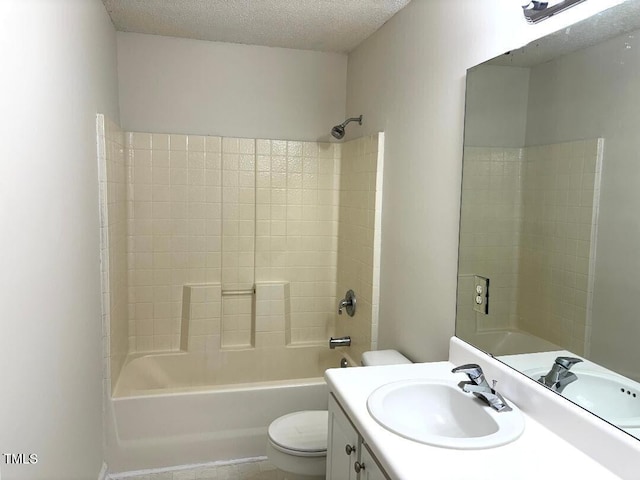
x: 302, y: 434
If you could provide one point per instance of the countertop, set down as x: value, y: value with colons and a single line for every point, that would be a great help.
x: 538, y: 453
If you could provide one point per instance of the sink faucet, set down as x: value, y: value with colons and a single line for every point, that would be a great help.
x: 559, y: 376
x: 479, y: 386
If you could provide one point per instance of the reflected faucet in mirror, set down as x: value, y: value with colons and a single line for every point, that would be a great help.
x: 559, y: 376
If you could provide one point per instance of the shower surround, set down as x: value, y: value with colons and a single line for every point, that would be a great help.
x: 213, y: 218
x: 220, y: 262
x: 213, y: 245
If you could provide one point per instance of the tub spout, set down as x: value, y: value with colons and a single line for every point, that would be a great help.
x: 339, y: 342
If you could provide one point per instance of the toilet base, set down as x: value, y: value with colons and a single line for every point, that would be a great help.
x: 297, y: 468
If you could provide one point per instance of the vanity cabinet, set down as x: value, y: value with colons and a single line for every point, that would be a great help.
x: 348, y: 457
x: 372, y: 471
x: 343, y: 446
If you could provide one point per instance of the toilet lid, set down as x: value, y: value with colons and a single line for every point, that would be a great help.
x: 301, y: 432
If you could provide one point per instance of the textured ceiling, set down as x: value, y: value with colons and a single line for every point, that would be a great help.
x: 325, y: 25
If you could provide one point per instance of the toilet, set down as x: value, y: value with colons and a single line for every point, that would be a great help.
x: 297, y: 442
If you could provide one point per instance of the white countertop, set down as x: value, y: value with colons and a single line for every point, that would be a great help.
x: 538, y: 453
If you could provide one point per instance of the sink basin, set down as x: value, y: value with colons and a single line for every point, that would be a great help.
x: 611, y: 397
x: 439, y: 413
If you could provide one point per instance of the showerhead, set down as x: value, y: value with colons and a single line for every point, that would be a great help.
x: 338, y: 130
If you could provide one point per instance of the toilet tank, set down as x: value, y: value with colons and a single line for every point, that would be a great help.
x: 383, y: 357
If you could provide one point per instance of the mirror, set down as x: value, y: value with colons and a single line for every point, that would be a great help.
x: 549, y: 260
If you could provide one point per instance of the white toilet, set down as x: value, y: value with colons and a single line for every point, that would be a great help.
x: 297, y: 441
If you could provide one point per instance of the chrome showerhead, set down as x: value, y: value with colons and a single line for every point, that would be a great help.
x: 338, y: 130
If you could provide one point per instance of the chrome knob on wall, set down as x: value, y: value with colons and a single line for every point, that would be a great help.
x: 348, y: 303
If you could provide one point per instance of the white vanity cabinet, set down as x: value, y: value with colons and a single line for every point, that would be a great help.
x: 370, y: 470
x: 348, y: 458
x: 343, y: 446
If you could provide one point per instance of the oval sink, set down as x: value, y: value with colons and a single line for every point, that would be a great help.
x: 440, y: 413
x: 613, y: 398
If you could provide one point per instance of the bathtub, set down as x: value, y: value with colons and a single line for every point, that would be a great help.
x: 174, y: 409
x: 510, y: 342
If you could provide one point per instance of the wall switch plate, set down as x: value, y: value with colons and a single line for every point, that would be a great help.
x: 481, y: 294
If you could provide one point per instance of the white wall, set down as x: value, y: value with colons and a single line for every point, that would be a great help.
x: 58, y: 63
x: 408, y: 81
x: 176, y: 85
x: 500, y: 94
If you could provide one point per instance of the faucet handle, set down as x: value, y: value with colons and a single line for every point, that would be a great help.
x: 348, y: 303
x: 567, y: 362
x: 473, y: 370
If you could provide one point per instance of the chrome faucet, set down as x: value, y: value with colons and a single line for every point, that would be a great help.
x: 479, y: 386
x: 339, y: 342
x: 348, y: 303
x: 559, y: 376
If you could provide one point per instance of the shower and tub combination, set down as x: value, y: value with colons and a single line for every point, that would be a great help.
x: 221, y: 260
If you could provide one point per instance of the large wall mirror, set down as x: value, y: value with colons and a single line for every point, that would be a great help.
x: 549, y: 261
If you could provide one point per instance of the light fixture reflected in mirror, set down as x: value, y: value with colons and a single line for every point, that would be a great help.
x: 536, y: 11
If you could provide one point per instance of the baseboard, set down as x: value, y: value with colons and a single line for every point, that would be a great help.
x: 178, y: 468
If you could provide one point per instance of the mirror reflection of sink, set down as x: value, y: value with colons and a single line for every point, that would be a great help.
x: 608, y: 396
x: 439, y: 413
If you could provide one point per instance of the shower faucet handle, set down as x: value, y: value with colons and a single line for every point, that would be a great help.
x: 348, y: 303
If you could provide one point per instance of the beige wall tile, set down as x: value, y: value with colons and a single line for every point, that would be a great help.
x: 231, y: 213
x: 357, y: 252
x: 518, y: 205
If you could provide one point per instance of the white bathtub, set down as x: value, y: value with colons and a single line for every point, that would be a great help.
x: 160, y: 417
x: 509, y: 342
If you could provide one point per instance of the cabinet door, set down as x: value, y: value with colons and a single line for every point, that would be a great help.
x: 343, y: 445
x: 370, y: 470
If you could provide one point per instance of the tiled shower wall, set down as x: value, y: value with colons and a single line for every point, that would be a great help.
x: 519, y: 205
x: 174, y: 235
x: 359, y: 240
x: 213, y: 243
x: 560, y: 207
x: 490, y: 235
x: 113, y: 253
x: 197, y: 205
x: 297, y: 195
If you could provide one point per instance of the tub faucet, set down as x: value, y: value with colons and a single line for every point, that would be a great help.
x: 479, y: 386
x: 339, y: 342
x: 559, y: 376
